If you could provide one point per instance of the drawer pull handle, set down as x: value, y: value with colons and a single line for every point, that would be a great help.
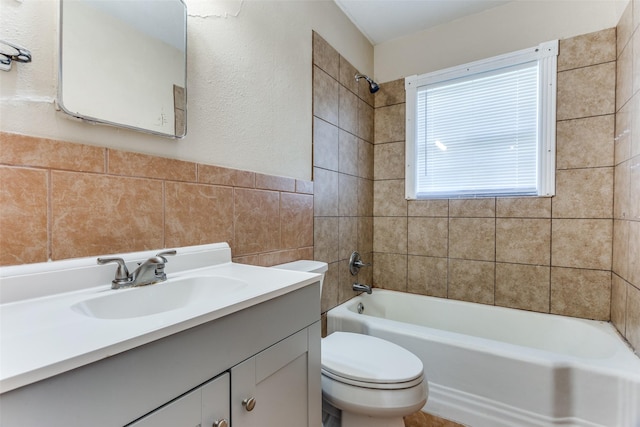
x: 221, y: 423
x: 249, y: 404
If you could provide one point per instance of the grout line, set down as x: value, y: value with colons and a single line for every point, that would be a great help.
x: 550, y: 250
x: 49, y: 215
x: 589, y: 65
x: 164, y: 214
x: 495, y: 247
x: 448, y: 244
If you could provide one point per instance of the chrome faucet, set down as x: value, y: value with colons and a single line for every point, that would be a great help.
x: 149, y: 272
x: 359, y: 287
x: 355, y: 263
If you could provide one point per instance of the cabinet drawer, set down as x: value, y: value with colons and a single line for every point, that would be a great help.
x: 203, y: 406
x: 182, y: 412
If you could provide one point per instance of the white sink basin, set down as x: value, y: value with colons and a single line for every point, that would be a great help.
x: 159, y: 298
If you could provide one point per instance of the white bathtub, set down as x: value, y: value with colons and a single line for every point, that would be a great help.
x: 493, y: 366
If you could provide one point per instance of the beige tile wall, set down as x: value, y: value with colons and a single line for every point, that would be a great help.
x: 342, y: 170
x: 550, y: 255
x: 63, y: 200
x: 625, y: 296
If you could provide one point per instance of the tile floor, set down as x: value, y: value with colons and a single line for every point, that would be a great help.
x: 423, y: 419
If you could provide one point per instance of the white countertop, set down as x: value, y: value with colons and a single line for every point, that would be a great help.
x: 43, y: 336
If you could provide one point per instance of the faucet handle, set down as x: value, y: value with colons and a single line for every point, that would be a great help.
x: 122, y: 273
x: 355, y: 263
x: 160, y: 267
x: 164, y: 253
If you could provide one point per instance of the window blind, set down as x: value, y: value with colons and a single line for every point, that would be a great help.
x: 485, y: 128
x: 478, y: 135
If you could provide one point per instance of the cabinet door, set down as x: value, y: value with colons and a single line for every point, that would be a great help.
x: 204, y: 406
x: 182, y: 412
x: 215, y: 401
x: 277, y: 381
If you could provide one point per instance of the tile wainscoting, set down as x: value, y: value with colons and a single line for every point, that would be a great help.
x: 64, y: 200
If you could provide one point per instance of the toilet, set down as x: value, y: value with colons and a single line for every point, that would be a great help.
x: 366, y: 381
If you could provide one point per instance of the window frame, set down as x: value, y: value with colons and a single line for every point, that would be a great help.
x: 546, y: 55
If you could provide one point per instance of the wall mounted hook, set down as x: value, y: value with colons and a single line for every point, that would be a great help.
x: 12, y: 52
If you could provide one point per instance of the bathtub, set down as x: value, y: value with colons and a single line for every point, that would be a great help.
x: 499, y: 367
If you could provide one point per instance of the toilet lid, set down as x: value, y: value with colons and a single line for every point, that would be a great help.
x: 367, y: 359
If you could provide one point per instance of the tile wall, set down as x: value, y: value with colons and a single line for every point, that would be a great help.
x: 551, y: 255
x: 625, y: 296
x: 64, y: 200
x: 342, y: 170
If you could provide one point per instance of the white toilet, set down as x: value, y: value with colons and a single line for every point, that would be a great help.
x: 366, y: 381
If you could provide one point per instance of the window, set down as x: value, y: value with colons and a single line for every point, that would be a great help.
x: 484, y: 129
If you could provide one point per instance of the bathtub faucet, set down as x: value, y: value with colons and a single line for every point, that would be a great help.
x: 358, y: 287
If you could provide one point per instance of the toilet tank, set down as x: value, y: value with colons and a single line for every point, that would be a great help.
x: 306, y: 266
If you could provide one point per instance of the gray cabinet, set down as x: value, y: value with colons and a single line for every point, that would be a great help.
x: 215, y: 402
x: 268, y: 389
x: 207, y: 405
x: 271, y: 388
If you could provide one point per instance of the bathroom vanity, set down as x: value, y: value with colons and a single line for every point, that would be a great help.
x: 249, y: 356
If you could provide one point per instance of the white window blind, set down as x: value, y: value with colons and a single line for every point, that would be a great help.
x: 482, y: 129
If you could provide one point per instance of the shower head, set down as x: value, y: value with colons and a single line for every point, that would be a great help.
x: 373, y: 86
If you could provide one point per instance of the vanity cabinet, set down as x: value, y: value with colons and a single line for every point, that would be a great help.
x: 269, y: 352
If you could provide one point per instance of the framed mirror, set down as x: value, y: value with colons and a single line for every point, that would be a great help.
x: 123, y: 63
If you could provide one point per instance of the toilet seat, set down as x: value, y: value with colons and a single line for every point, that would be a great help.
x: 372, y: 402
x: 379, y: 386
x: 369, y: 362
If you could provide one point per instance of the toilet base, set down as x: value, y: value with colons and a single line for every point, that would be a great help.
x: 350, y: 419
x: 331, y: 416
x: 334, y: 417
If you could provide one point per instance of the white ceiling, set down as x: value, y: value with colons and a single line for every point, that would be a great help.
x: 384, y: 20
